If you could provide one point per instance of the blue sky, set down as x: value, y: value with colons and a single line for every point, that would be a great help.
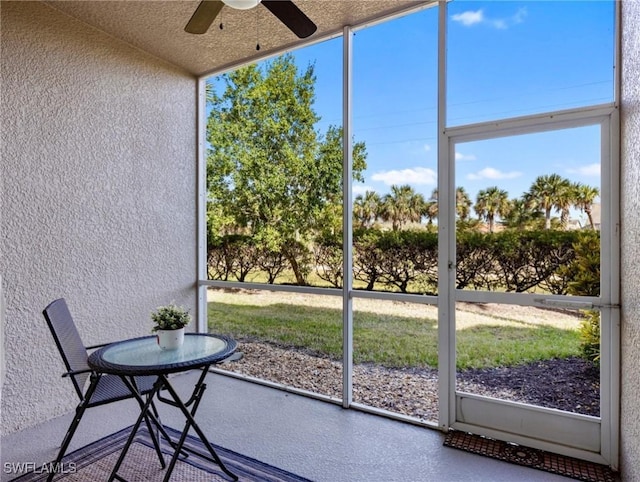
x: 505, y: 59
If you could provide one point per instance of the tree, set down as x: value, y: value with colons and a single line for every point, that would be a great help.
x: 401, y: 206
x: 463, y: 205
x: 520, y: 216
x: 584, y: 197
x: 431, y: 207
x: 267, y: 167
x: 366, y: 208
x: 491, y: 202
x: 330, y: 148
x: 546, y: 193
x: 564, y: 200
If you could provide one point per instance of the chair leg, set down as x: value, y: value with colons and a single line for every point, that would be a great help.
x: 82, y: 406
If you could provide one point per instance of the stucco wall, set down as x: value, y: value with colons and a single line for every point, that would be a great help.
x: 98, y: 184
x: 630, y: 158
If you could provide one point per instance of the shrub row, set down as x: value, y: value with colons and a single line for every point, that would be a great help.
x: 407, y: 260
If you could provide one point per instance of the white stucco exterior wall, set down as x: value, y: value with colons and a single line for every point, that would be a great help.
x: 630, y: 213
x: 98, y: 178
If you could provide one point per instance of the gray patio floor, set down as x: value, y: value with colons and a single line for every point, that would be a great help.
x: 315, y: 439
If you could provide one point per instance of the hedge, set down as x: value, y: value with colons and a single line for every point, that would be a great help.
x: 407, y: 260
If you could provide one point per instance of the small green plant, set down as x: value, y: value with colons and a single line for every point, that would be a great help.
x: 590, y: 336
x: 170, y: 317
x: 584, y: 273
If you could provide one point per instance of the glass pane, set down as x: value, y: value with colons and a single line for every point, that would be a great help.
x: 508, y: 59
x: 395, y: 117
x: 536, y: 213
x: 395, y: 347
x: 543, y: 357
x: 287, y: 338
x: 274, y: 167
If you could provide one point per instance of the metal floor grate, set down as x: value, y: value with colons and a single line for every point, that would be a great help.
x: 538, y: 459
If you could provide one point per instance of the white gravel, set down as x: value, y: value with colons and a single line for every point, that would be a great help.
x: 412, y: 392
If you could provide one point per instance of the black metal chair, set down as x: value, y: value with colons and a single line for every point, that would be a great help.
x: 102, y: 388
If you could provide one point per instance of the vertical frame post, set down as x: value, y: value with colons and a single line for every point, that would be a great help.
x: 446, y: 240
x: 201, y: 209
x: 347, y: 221
x: 613, y: 184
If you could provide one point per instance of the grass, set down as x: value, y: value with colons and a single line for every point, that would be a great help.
x: 499, y: 345
x: 392, y: 334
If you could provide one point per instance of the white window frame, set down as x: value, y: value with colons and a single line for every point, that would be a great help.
x: 608, y: 301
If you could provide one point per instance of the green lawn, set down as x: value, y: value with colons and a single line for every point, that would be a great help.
x: 393, y: 335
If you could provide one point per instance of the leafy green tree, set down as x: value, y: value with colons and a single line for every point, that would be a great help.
x: 403, y: 205
x: 491, y: 202
x: 330, y: 218
x: 267, y: 167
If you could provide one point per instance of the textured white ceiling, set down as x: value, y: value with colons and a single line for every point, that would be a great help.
x: 157, y: 27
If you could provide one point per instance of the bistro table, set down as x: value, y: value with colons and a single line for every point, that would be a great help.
x: 143, y: 356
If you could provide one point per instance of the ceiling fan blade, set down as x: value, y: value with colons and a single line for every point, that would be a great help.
x: 204, y: 16
x: 289, y: 14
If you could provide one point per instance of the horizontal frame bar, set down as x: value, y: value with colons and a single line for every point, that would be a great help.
x: 549, y: 121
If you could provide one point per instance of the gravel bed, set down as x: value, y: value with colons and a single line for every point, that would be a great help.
x: 570, y: 384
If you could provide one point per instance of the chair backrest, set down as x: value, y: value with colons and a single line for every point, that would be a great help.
x: 68, y: 341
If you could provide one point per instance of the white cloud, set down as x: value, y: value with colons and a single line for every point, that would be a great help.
x: 416, y: 175
x: 360, y: 188
x: 491, y: 173
x: 468, y: 18
x: 588, y: 170
x: 500, y: 24
x: 465, y: 157
x: 519, y: 16
x: 427, y: 147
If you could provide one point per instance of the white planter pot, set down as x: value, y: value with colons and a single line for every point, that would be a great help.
x: 170, y: 339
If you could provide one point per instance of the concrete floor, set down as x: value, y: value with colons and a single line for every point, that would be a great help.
x: 314, y: 439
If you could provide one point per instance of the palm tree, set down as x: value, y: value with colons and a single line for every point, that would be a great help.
x: 463, y: 204
x: 365, y: 208
x: 401, y: 206
x: 584, y: 197
x: 566, y: 198
x: 491, y: 202
x: 430, y: 211
x: 547, y: 193
x: 431, y: 207
x: 520, y: 215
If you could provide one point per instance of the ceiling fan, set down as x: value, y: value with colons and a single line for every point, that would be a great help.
x: 285, y: 10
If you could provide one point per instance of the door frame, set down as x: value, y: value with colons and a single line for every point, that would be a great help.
x: 576, y: 435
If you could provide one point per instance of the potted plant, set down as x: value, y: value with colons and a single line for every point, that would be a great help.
x: 169, y: 325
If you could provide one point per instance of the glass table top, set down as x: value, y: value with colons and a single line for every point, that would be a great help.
x: 144, y: 356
